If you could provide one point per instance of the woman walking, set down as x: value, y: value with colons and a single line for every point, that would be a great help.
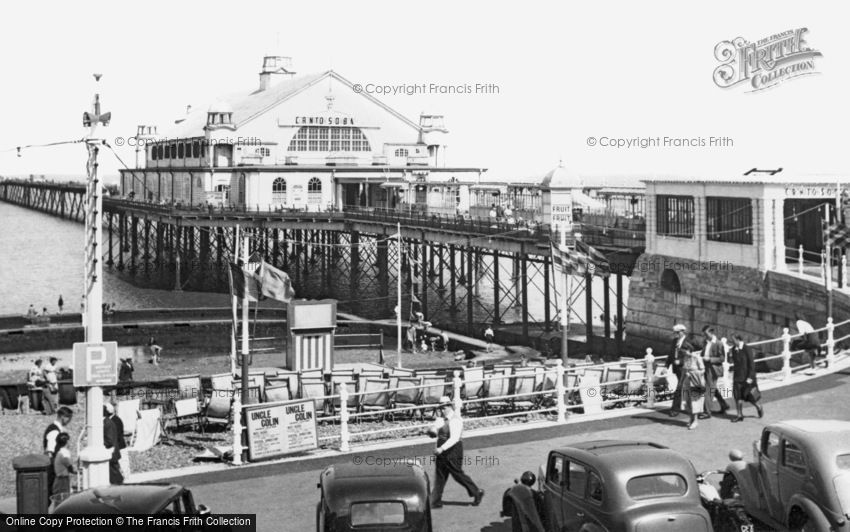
x: 63, y: 467
x: 744, y: 383
x: 693, y: 387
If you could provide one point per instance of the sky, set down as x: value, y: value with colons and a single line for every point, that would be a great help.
x: 563, y: 72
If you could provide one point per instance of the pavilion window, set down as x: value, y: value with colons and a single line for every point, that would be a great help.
x: 675, y: 216
x: 729, y: 220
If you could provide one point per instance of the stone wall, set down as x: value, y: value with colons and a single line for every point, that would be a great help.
x: 733, y: 299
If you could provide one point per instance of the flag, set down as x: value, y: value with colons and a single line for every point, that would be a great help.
x: 837, y: 235
x: 597, y: 262
x: 242, y: 282
x: 274, y: 283
x: 415, y: 308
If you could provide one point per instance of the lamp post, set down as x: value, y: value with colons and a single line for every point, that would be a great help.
x: 94, y: 457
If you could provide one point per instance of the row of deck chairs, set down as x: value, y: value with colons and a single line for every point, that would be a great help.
x: 502, y: 388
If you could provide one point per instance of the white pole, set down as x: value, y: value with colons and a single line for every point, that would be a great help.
x: 95, y: 457
x: 234, y: 307
x: 565, y: 303
x: 398, y: 314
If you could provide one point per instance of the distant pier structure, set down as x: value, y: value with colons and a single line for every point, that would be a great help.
x: 320, y: 174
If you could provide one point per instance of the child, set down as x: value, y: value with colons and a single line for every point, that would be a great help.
x: 63, y: 467
x: 156, y: 351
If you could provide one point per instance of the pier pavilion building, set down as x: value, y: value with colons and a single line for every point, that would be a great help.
x: 740, y: 252
x: 306, y: 142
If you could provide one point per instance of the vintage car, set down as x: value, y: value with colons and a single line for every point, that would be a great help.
x: 622, y: 486
x: 799, y: 477
x: 376, y: 497
x: 143, y: 499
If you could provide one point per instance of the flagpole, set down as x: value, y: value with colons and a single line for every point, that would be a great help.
x: 398, y: 307
x: 565, y: 303
x: 246, y: 304
x: 234, y: 306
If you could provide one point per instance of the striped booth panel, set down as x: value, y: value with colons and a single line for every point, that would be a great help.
x: 312, y: 351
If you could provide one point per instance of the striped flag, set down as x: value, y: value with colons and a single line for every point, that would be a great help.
x: 580, y: 260
x: 837, y: 235
x: 242, y: 281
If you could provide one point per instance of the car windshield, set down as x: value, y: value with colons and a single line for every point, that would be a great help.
x: 377, y: 513
x: 656, y: 486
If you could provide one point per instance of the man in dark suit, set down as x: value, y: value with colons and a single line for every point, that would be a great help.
x: 712, y: 356
x: 674, y: 364
x: 744, y: 377
x: 113, y: 438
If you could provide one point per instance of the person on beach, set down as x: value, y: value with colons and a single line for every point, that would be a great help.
x: 31, y: 312
x: 51, y: 386
x: 156, y: 351
x: 488, y: 336
x: 61, y: 303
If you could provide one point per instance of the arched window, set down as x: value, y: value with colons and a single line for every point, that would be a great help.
x: 153, y: 153
x: 401, y: 152
x: 670, y: 281
x: 323, y: 138
x: 174, y: 151
x: 196, y: 149
x: 279, y: 191
x: 314, y: 191
x: 180, y: 152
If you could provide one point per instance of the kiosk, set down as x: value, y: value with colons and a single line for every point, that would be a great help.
x: 310, y: 335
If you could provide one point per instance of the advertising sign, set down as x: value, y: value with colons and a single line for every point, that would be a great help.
x: 281, y: 429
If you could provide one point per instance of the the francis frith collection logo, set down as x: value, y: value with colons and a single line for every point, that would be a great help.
x: 765, y: 63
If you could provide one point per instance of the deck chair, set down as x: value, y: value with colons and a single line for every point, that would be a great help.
x: 278, y: 392
x: 188, y: 386
x: 498, y: 386
x: 221, y: 381
x: 317, y: 373
x: 314, y: 389
x: 547, y: 384
x: 255, y: 395
x: 402, y: 372
x: 376, y: 396
x: 353, y: 400
x: 291, y: 376
x: 148, y: 430
x: 219, y: 408
x: 473, y: 388
x: 637, y: 383
x: 431, y: 394
x: 615, y: 392
x: 187, y: 409
x: 524, y: 384
x: 128, y: 412
x: 571, y: 380
x: 406, y: 398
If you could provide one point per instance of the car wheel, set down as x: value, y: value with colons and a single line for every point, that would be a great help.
x: 800, y: 521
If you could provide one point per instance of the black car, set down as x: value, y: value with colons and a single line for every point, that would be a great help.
x: 364, y: 498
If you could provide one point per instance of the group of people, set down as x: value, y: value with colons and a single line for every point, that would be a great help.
x: 55, y: 442
x: 698, y: 369
x: 43, y: 377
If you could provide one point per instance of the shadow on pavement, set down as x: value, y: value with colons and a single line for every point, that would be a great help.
x: 496, y: 526
x: 663, y: 419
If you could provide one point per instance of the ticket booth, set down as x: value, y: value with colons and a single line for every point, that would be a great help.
x: 310, y: 334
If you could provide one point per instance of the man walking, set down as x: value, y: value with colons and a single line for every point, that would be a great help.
x: 712, y: 356
x: 674, y: 364
x: 744, y: 384
x: 448, y: 429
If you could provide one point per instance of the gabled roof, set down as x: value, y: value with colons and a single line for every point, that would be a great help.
x: 247, y: 106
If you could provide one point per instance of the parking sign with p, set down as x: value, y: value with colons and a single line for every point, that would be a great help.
x: 95, y: 364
